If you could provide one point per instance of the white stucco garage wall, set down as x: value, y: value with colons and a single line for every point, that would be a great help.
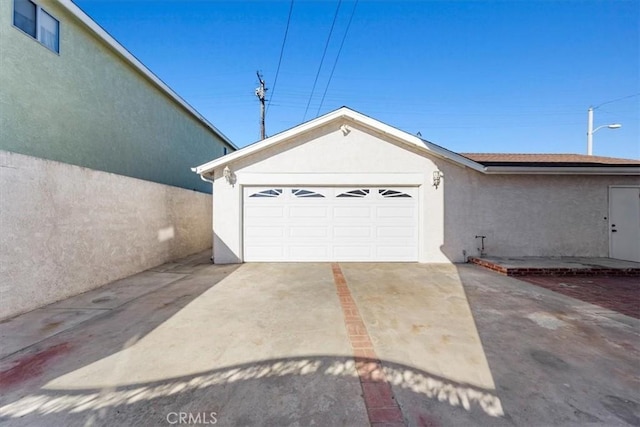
x: 544, y: 215
x: 326, y: 156
x: 66, y: 229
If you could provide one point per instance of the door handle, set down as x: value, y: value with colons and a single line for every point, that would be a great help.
x: 614, y: 231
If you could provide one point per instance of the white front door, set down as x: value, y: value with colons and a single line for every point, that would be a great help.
x: 624, y: 223
x: 330, y: 224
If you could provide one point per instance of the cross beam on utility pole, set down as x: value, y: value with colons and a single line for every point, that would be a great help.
x: 261, y: 91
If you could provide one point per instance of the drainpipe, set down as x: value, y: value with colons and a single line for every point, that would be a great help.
x: 205, y: 179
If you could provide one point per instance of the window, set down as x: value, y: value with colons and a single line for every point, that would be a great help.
x: 392, y: 193
x: 362, y: 192
x: 274, y: 192
x: 224, y: 151
x: 37, y: 23
x: 298, y: 192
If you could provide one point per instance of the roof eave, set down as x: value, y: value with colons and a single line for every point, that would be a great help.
x: 531, y: 170
x: 127, y: 56
x: 341, y: 113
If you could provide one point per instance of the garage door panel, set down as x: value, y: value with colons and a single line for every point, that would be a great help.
x: 309, y: 253
x: 352, y: 252
x: 351, y: 212
x: 394, y: 212
x: 395, y: 232
x: 347, y: 232
x: 264, y: 232
x: 264, y: 253
x: 308, y: 212
x: 264, y: 211
x: 372, y: 224
x: 395, y: 253
x: 310, y: 231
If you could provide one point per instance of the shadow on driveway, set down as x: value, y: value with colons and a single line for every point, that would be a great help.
x: 302, y: 390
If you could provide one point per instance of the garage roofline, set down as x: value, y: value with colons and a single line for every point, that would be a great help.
x: 421, y: 145
x: 341, y: 113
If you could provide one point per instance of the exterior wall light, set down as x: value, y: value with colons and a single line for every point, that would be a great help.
x: 229, y: 176
x: 437, y: 177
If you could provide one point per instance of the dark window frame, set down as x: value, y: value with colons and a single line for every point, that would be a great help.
x: 39, y: 11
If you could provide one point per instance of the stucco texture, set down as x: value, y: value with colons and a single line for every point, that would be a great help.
x: 88, y: 107
x: 537, y: 215
x: 66, y: 229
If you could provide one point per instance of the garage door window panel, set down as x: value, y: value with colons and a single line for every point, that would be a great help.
x: 298, y: 192
x: 274, y: 192
x: 392, y: 193
x: 355, y: 193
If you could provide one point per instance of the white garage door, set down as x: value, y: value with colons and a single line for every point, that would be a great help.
x: 330, y: 224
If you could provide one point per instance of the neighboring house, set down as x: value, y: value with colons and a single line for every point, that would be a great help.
x: 346, y: 187
x: 71, y: 93
x: 95, y: 157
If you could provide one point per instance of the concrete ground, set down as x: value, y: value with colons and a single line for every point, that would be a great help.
x: 320, y: 344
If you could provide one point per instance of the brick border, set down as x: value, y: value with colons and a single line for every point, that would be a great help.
x: 381, y: 404
x: 525, y: 271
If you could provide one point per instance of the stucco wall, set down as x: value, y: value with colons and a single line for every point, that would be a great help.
x: 88, y: 107
x: 548, y: 215
x: 66, y: 229
x: 326, y: 156
x: 527, y: 215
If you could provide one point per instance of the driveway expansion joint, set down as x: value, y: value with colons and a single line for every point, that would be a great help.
x: 381, y: 404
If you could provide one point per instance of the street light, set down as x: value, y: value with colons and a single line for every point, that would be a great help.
x: 591, y: 131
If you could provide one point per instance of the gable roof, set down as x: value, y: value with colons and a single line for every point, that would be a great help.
x: 121, y: 51
x: 484, y: 163
x: 342, y: 113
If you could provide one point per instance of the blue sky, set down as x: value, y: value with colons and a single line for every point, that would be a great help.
x: 478, y: 76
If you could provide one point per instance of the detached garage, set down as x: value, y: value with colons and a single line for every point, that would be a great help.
x: 346, y: 187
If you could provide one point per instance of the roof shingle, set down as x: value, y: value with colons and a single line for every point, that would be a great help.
x: 547, y: 160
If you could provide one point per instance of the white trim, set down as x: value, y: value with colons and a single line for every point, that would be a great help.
x: 351, y: 180
x: 127, y: 56
x: 341, y: 113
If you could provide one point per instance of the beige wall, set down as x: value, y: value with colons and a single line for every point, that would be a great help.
x: 66, y: 229
x: 527, y: 215
x: 550, y: 215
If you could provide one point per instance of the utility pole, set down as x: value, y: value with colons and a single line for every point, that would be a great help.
x: 260, y: 93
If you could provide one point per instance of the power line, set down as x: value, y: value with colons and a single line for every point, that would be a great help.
x: 616, y: 100
x: 337, y: 56
x: 335, y: 16
x: 286, y: 31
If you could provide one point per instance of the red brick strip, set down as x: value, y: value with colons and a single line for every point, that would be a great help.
x: 382, y: 408
x: 546, y: 271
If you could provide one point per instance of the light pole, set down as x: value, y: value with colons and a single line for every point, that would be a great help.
x: 591, y: 130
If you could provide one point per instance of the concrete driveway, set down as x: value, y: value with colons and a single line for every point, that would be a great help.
x: 319, y: 344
